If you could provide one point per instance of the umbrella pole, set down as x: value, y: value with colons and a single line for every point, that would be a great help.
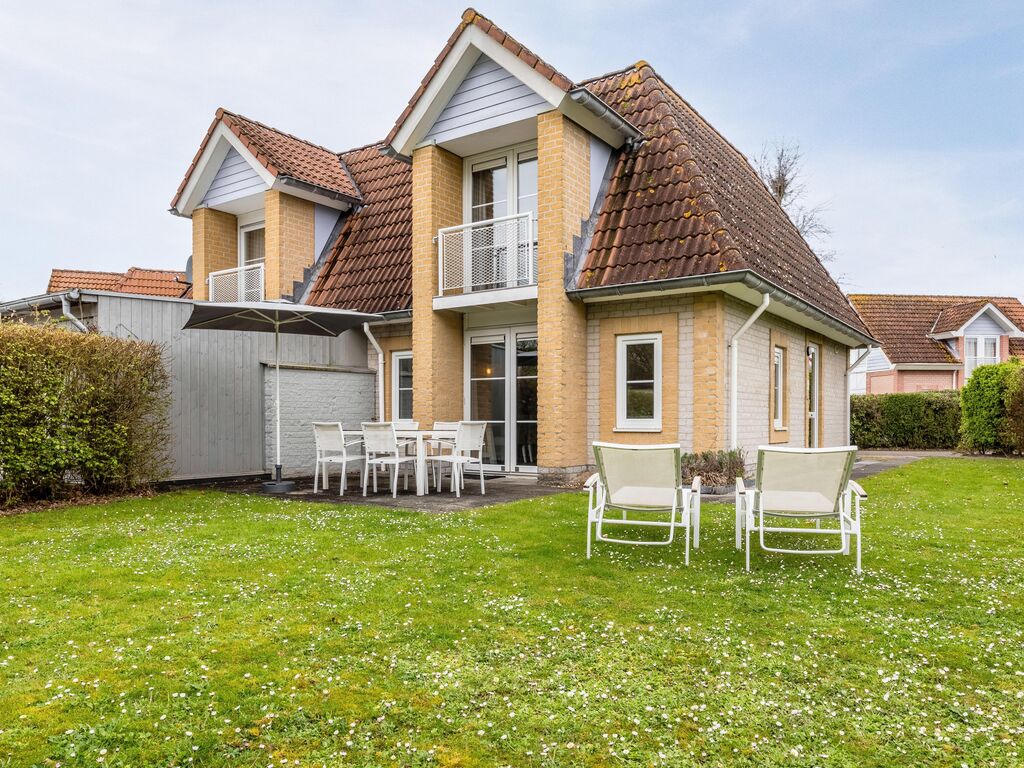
x: 277, y: 485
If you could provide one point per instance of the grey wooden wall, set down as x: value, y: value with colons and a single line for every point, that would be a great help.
x: 217, y: 381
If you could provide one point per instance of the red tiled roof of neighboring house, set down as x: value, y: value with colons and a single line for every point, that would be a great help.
x: 471, y: 17
x: 282, y: 155
x: 903, y: 322
x: 687, y: 202
x: 138, y: 280
x: 369, y: 267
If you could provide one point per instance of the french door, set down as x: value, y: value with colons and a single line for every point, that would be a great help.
x: 813, y: 395
x: 501, y: 389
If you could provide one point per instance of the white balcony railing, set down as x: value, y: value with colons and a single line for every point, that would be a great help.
x: 485, y: 255
x: 240, y: 284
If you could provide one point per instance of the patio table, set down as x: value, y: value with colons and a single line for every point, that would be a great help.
x: 420, y: 436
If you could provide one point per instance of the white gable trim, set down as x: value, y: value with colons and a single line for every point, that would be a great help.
x: 992, y: 310
x: 221, y: 140
x: 442, y: 86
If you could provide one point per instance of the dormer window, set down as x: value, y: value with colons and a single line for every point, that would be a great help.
x: 980, y: 350
x: 252, y: 244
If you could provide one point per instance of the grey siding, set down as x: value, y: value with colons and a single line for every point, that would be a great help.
x: 235, y: 179
x: 324, y: 219
x: 489, y: 96
x: 985, y: 325
x: 217, y: 408
x: 312, y: 395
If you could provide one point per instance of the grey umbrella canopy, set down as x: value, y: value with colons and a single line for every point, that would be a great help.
x: 277, y: 318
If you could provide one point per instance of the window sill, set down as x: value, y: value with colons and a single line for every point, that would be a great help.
x: 637, y: 429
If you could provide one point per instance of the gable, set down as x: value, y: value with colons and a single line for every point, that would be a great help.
x: 984, y: 325
x: 235, y: 179
x: 489, y: 96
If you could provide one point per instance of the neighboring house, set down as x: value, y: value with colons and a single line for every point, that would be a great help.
x: 934, y: 342
x: 137, y: 280
x: 568, y: 261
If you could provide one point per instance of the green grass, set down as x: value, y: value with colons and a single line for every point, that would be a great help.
x: 214, y: 629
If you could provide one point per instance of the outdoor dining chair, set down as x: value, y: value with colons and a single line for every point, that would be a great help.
x: 333, y: 448
x: 644, y: 484
x: 469, y: 440
x: 384, y: 449
x: 438, y: 445
x: 802, y: 485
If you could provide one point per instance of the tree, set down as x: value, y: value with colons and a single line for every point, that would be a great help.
x: 780, y: 167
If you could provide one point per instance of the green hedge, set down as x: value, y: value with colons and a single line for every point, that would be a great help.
x: 78, y: 410
x: 992, y: 412
x: 917, y: 420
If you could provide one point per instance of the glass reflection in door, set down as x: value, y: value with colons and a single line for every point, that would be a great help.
x: 487, y: 394
x: 526, y: 401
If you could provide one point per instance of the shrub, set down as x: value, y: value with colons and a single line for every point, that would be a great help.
x: 983, y: 404
x: 716, y: 468
x: 918, y: 420
x: 78, y: 409
x: 1013, y: 402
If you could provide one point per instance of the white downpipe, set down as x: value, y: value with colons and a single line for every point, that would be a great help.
x: 380, y: 371
x: 65, y: 307
x: 860, y: 359
x: 734, y: 364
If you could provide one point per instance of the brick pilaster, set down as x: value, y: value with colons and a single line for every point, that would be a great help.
x: 214, y: 246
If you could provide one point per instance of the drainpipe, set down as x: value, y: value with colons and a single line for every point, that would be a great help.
x: 380, y: 371
x: 65, y: 307
x: 734, y: 363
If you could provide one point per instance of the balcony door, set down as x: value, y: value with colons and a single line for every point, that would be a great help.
x: 501, y: 389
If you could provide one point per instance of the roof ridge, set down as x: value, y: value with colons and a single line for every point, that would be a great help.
x: 368, y: 145
x: 86, y: 271
x: 964, y: 299
x: 222, y: 112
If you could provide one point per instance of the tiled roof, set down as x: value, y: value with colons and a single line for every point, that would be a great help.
x: 471, y: 17
x: 903, y: 322
x: 282, y: 155
x: 147, y: 282
x: 953, y: 317
x: 370, y: 265
x: 687, y: 202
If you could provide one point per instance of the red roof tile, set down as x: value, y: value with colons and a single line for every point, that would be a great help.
x: 903, y: 322
x: 137, y: 280
x: 687, y: 202
x: 370, y: 265
x: 283, y: 155
x: 471, y: 18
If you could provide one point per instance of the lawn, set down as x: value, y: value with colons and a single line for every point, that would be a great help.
x: 215, y: 629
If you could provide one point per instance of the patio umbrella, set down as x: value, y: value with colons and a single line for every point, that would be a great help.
x: 277, y: 318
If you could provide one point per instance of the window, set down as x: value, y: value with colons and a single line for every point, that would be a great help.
x: 813, y: 395
x: 638, y: 383
x: 492, y: 191
x: 252, y: 244
x: 401, y: 386
x: 778, y: 391
x: 980, y: 350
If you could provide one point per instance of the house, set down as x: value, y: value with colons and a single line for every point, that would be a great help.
x: 934, y: 342
x: 137, y: 280
x: 567, y: 260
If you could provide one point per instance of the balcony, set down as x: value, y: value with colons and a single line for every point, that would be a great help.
x: 487, y: 262
x: 240, y: 284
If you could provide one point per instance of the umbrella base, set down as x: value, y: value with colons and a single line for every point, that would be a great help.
x: 279, y: 486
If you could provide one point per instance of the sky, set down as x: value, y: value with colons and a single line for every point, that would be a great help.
x: 910, y: 116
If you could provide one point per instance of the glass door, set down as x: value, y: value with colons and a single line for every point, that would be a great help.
x: 813, y: 393
x: 501, y: 386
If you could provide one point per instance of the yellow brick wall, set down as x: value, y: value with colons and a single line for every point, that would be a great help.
x: 214, y: 246
x: 709, y: 380
x: 436, y: 336
x: 290, y: 240
x: 563, y: 170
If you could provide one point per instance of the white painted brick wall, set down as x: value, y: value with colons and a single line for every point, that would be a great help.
x: 309, y: 395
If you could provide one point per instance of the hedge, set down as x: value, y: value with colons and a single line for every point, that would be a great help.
x: 918, y: 420
x: 992, y: 412
x: 78, y: 410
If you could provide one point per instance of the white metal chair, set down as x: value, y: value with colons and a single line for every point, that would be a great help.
x: 469, y: 439
x: 437, y: 445
x: 333, y: 448
x: 383, y: 449
x: 801, y: 484
x: 642, y: 479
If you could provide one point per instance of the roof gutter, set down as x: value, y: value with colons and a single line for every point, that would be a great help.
x: 603, y: 112
x: 289, y: 181
x: 744, y: 277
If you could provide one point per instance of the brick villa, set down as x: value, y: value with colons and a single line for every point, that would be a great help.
x: 566, y: 260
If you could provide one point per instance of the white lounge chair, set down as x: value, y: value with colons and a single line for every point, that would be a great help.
x: 805, y: 484
x: 383, y: 449
x: 642, y: 479
x: 333, y: 448
x: 469, y: 439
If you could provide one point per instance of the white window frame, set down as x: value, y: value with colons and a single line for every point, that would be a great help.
x: 511, y: 157
x: 973, y: 361
x: 779, y: 388
x: 622, y: 423
x: 396, y: 389
x: 242, y: 229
